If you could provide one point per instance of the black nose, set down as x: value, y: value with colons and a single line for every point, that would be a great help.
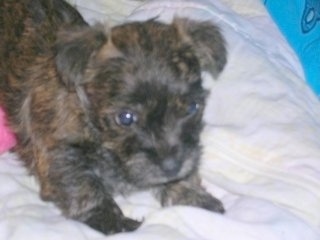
x: 171, y: 166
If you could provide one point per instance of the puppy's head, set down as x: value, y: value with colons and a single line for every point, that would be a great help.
x: 140, y: 85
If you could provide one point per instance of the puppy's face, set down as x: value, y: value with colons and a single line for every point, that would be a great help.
x: 150, y: 113
x: 142, y: 87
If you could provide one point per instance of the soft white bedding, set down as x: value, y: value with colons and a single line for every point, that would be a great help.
x: 262, y: 147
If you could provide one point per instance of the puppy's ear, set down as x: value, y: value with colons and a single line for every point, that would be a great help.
x: 207, y: 41
x: 74, y: 50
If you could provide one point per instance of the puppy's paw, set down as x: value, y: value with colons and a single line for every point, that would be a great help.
x: 110, y: 220
x: 207, y: 201
x: 110, y: 225
x: 189, y: 192
x: 200, y: 198
x: 130, y: 225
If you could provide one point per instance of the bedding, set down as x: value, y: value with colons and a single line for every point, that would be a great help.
x: 261, y: 145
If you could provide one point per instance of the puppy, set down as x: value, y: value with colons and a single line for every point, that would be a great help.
x: 104, y: 112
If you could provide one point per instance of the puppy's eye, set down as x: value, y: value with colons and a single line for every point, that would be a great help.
x: 193, y: 108
x: 126, y: 118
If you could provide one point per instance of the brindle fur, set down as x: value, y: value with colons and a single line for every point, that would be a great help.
x: 63, y: 84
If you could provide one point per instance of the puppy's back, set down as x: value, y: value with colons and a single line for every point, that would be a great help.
x: 28, y: 27
x: 28, y: 30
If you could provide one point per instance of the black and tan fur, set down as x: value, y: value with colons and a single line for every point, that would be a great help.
x: 102, y: 112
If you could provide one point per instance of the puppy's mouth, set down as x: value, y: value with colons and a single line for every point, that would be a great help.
x: 174, y: 170
x: 168, y: 170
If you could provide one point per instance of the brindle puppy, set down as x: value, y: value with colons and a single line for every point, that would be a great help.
x: 103, y: 112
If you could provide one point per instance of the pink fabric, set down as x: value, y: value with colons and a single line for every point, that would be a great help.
x: 7, y: 138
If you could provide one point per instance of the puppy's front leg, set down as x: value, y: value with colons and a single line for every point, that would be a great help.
x: 189, y: 192
x: 73, y: 184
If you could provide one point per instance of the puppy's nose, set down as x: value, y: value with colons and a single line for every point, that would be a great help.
x: 171, y: 166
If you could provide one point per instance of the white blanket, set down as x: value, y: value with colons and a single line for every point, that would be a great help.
x: 262, y: 147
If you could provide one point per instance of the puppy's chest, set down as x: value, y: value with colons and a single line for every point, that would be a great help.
x: 114, y: 180
x: 119, y: 185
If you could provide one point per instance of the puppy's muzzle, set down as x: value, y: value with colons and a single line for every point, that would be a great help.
x: 171, y: 166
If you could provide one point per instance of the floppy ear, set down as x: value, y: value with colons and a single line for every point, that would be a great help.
x: 207, y: 41
x: 73, y: 51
